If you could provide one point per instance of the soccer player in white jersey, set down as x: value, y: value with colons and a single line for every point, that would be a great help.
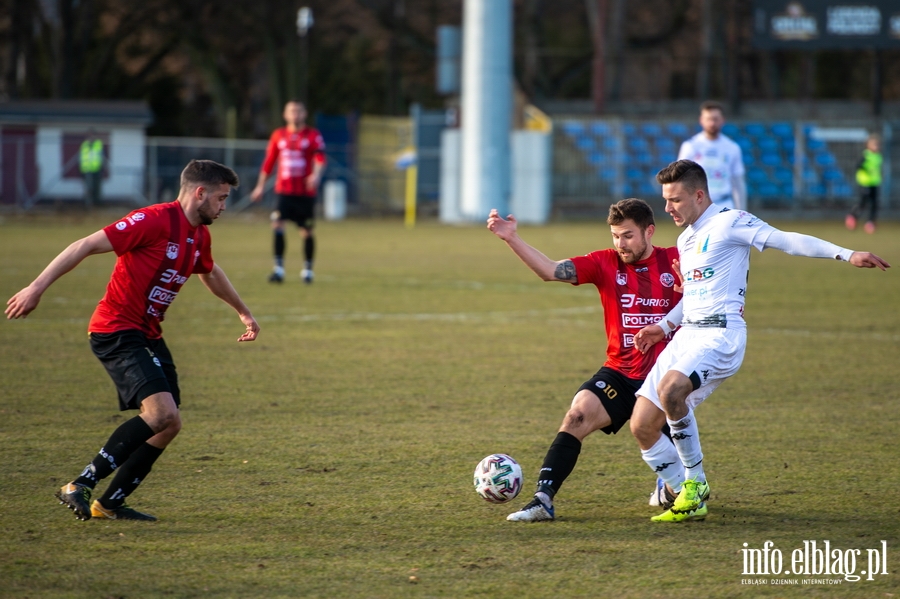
x: 719, y: 156
x: 714, y: 251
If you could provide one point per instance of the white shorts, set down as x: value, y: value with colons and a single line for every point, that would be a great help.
x: 714, y: 354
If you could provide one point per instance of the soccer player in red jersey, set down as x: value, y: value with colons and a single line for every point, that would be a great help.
x: 158, y: 248
x: 637, y: 285
x: 300, y: 152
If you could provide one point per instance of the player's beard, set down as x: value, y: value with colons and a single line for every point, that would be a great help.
x: 203, y: 212
x: 635, y: 255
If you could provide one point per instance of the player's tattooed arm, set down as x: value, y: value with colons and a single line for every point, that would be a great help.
x: 565, y: 271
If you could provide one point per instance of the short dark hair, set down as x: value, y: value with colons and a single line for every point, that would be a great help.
x: 712, y: 105
x: 687, y: 172
x: 634, y: 209
x: 208, y: 172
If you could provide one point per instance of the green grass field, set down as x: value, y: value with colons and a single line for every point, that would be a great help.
x: 333, y: 457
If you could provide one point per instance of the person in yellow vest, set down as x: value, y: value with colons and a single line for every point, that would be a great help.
x: 868, y: 176
x: 91, y: 162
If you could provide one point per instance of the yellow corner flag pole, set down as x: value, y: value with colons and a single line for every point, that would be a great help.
x: 410, y: 215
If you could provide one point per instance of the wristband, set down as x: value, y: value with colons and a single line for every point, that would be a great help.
x: 664, y: 325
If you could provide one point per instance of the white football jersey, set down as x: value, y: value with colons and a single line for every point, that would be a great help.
x: 721, y: 160
x: 715, y: 263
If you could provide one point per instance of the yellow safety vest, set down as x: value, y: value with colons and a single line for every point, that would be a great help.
x: 869, y: 172
x: 91, y: 156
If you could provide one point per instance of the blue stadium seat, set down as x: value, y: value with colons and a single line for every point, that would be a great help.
x: 596, y: 158
x: 787, y: 190
x: 825, y: 159
x: 754, y: 129
x: 572, y: 128
x: 810, y: 176
x: 767, y: 144
x: 783, y: 176
x: 634, y: 174
x: 832, y: 175
x: 815, y: 189
x: 748, y: 158
x: 815, y: 145
x: 628, y: 190
x: 610, y: 143
x: 607, y: 173
x: 665, y: 143
x: 678, y: 130
x: 745, y: 144
x: 651, y: 130
x: 783, y: 130
x: 757, y: 176
x: 643, y: 158
x: 649, y: 190
x: 787, y: 144
x: 770, y: 159
x: 628, y: 130
x: 637, y: 144
x: 731, y: 130
x: 585, y: 143
x: 769, y: 190
x: 841, y: 190
x: 601, y: 129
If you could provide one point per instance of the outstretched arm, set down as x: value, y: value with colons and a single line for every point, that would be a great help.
x: 26, y: 300
x: 798, y: 244
x: 221, y: 287
x: 544, y: 267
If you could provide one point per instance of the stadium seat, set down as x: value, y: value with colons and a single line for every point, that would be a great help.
x: 629, y: 130
x: 585, y: 143
x: 596, y: 158
x: 810, y: 176
x: 679, y: 131
x: 824, y: 159
x: 745, y: 144
x: 731, y: 130
x: 601, y: 129
x: 644, y: 158
x: 815, y: 145
x: 832, y: 175
x: 815, y: 189
x: 754, y: 129
x: 748, y: 158
x: 783, y: 176
x: 651, y: 130
x: 572, y: 128
x: 841, y: 190
x: 767, y: 144
x: 783, y: 130
x: 769, y: 190
x: 607, y: 173
x: 610, y: 143
x: 787, y: 190
x: 637, y: 144
x: 634, y: 174
x: 757, y: 177
x: 787, y: 144
x: 770, y: 159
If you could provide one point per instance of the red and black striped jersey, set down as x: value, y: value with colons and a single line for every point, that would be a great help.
x: 633, y: 296
x: 157, y: 251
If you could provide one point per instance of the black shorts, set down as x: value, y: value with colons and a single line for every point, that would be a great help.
x: 138, y: 366
x: 299, y: 209
x: 617, y: 394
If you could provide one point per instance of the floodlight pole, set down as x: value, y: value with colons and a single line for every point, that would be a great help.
x: 304, y: 24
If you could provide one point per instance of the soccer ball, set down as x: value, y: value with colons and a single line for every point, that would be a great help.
x: 498, y: 478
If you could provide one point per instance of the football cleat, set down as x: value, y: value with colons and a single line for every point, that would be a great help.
x: 277, y: 275
x: 77, y: 498
x: 693, y: 493
x: 850, y: 222
x: 306, y: 275
x: 661, y: 496
x: 123, y: 512
x: 671, y: 515
x: 535, y: 511
x: 869, y: 227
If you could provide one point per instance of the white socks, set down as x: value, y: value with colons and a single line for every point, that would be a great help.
x: 686, y: 437
x: 664, y: 461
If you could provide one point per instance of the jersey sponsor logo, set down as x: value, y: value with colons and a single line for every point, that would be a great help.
x: 667, y: 279
x: 621, y: 278
x: 701, y: 248
x: 639, y: 321
x: 642, y: 269
x: 190, y: 240
x: 172, y: 251
x: 627, y: 340
x: 138, y: 216
x: 699, y: 274
x: 629, y: 299
x: 162, y: 296
x: 601, y: 384
x: 154, y: 312
x: 196, y: 255
x: 121, y: 225
x: 171, y: 275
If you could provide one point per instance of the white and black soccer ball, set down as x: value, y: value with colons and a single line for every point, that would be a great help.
x: 498, y: 478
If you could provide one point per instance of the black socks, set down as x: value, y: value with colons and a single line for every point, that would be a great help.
x: 558, y: 463
x: 130, y: 435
